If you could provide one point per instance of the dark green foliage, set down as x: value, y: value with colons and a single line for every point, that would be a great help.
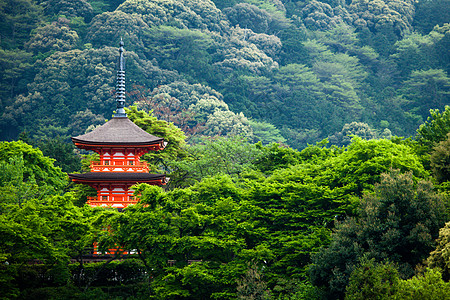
x: 431, y: 13
x: 72, y: 8
x: 399, y: 223
x: 439, y: 258
x: 430, y: 89
x: 440, y: 160
x: 17, y: 19
x: 64, y: 154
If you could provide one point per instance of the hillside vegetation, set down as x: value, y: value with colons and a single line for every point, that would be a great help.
x: 286, y: 71
x: 289, y: 175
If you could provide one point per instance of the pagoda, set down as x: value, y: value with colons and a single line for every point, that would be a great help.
x: 120, y: 144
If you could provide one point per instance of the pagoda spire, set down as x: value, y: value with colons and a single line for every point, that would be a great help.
x: 120, y: 84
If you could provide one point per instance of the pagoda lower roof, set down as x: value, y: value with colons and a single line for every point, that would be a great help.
x: 97, y: 177
x: 118, y: 131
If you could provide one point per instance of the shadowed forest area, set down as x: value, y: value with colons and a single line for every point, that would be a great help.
x: 309, y: 149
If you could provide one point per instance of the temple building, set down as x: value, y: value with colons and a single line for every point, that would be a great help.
x: 120, y: 144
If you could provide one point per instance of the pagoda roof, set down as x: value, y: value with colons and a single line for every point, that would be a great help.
x: 135, y: 177
x: 118, y: 131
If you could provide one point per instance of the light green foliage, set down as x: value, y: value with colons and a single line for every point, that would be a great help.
x: 52, y: 230
x: 32, y: 166
x: 427, y: 286
x: 320, y: 16
x: 222, y: 155
x: 181, y: 14
x: 416, y: 52
x: 171, y: 134
x: 434, y: 130
x: 177, y: 226
x: 228, y: 123
x: 372, y: 280
x: 360, y: 166
x: 275, y: 156
x: 358, y: 129
x: 243, y: 57
x: 178, y: 48
x: 197, y: 109
x: 399, y: 222
x: 109, y: 27
x: 266, y: 133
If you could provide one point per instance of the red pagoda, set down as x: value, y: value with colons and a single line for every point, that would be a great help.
x: 120, y: 144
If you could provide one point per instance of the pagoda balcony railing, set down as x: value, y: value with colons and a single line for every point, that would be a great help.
x: 94, y: 201
x: 119, y: 166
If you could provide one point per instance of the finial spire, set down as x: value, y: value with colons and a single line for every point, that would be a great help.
x: 120, y: 85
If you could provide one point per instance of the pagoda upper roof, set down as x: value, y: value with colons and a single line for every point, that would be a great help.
x: 133, y: 177
x: 118, y: 131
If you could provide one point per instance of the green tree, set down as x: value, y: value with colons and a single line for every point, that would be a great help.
x: 64, y: 154
x: 252, y: 286
x: 214, y: 156
x: 431, y: 13
x: 14, y: 66
x: 434, y: 130
x: 266, y: 133
x: 427, y: 89
x: 249, y: 16
x: 399, y: 222
x: 174, y: 137
x: 439, y: 258
x: 35, y: 168
x: 372, y: 280
x: 359, y: 129
x: 195, y: 229
x: 77, y: 8
x: 427, y: 286
x: 440, y: 160
x: 18, y: 18
x: 184, y: 50
x: 56, y: 36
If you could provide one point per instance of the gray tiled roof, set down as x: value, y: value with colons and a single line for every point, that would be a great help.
x: 118, y: 130
x: 116, y: 176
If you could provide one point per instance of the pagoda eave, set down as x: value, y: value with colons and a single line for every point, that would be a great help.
x: 152, y: 146
x: 95, y: 178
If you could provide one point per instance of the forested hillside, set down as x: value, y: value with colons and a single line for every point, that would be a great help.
x: 287, y: 71
x: 308, y: 149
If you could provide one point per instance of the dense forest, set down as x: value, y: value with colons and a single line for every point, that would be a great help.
x: 309, y: 149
